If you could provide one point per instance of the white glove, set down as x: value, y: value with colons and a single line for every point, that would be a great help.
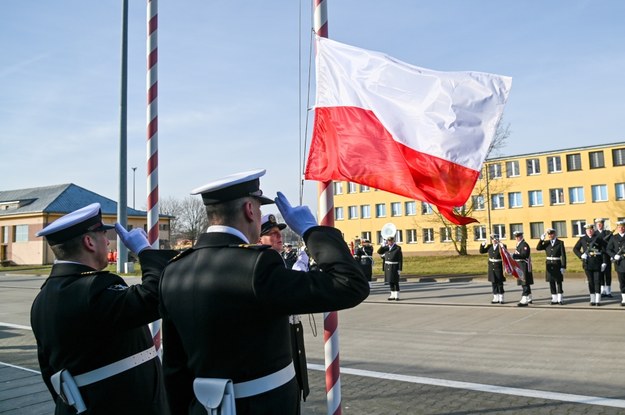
x: 136, y: 240
x: 562, y: 270
x: 542, y: 237
x: 484, y: 243
x: 584, y: 255
x: 617, y: 257
x: 603, y: 266
x: 299, y: 218
x: 398, y: 272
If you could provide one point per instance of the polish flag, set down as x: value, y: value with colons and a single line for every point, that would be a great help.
x: 510, y: 265
x: 411, y: 131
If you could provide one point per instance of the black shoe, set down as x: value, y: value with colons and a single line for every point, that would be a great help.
x: 501, y: 302
x: 609, y: 295
x: 593, y: 304
x: 604, y: 295
x: 554, y: 302
x: 598, y: 304
x: 622, y: 304
x: 390, y: 299
x: 530, y: 302
x: 397, y: 299
x: 494, y: 302
x: 561, y: 302
x: 521, y: 305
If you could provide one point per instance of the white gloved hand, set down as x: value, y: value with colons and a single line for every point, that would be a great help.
x: 617, y: 257
x: 299, y: 218
x: 603, y: 266
x: 562, y: 270
x: 584, y: 255
x: 542, y: 237
x: 398, y: 272
x: 136, y: 240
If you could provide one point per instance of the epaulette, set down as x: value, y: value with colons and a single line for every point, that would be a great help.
x: 181, y: 255
x: 258, y: 247
x: 89, y: 273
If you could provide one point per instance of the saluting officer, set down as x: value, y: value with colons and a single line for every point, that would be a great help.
x: 589, y: 248
x: 270, y: 234
x: 393, y: 264
x: 226, y: 302
x: 522, y: 255
x: 616, y: 250
x: 605, y: 274
x: 495, y: 267
x: 94, y: 347
x: 555, y: 263
x: 364, y: 255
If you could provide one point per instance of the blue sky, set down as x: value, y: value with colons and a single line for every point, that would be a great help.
x: 232, y: 97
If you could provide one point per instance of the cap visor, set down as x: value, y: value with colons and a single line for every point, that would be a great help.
x: 264, y: 200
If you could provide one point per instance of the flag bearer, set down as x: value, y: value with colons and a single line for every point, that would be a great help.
x: 616, y: 250
x: 555, y: 263
x: 523, y: 258
x: 495, y: 267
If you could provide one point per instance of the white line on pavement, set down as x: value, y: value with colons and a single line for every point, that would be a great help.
x: 564, y: 397
x: 15, y: 326
x: 19, y: 367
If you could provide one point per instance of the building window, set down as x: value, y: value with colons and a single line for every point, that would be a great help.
x: 599, y: 193
x: 365, y: 235
x: 494, y: 171
x: 533, y: 167
x: 554, y: 164
x: 573, y: 162
x: 445, y: 234
x: 576, y: 195
x: 365, y: 211
x: 352, y: 187
x: 428, y: 235
x: 478, y: 202
x: 512, y: 168
x: 515, y: 200
x: 411, y: 236
x: 396, y: 209
x: 479, y: 233
x: 596, y: 160
x: 535, y: 198
x: 352, y: 212
x: 536, y: 229
x: 577, y: 227
x: 497, y: 201
x: 500, y: 229
x: 364, y: 188
x: 619, y: 191
x: 618, y: 157
x: 399, y: 236
x: 556, y: 196
x: 426, y: 209
x: 516, y: 227
x: 380, y: 210
x: 20, y: 233
x: 411, y: 208
x: 560, y: 227
x: 338, y: 213
x: 459, y: 236
x: 338, y: 188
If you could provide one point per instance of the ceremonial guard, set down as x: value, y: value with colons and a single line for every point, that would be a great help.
x: 94, y: 347
x: 616, y: 250
x: 590, y: 249
x: 495, y: 267
x: 270, y: 234
x: 226, y: 303
x: 393, y: 263
x: 555, y: 263
x: 364, y: 255
x: 289, y: 255
x: 522, y: 255
x: 606, y: 274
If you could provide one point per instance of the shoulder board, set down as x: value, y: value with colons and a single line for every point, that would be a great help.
x: 88, y: 273
x: 182, y: 254
x: 257, y: 247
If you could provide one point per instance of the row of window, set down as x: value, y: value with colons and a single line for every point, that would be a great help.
x: 445, y: 234
x: 20, y: 232
x: 576, y: 195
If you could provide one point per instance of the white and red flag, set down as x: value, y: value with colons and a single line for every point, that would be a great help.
x: 396, y: 127
x: 510, y: 266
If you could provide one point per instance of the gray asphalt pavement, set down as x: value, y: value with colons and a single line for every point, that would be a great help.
x: 442, y: 349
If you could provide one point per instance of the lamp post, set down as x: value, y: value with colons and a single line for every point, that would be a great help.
x: 134, y: 169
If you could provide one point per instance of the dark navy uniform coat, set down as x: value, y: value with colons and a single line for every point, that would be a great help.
x: 84, y: 319
x: 225, y: 308
x: 522, y: 256
x: 396, y: 259
x: 616, y: 245
x: 553, y: 266
x: 495, y: 269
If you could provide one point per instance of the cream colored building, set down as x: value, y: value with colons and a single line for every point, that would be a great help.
x: 24, y: 212
x: 561, y: 189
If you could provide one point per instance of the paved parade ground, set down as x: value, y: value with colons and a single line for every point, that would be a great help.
x: 442, y: 349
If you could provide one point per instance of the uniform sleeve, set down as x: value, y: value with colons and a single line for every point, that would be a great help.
x: 612, y: 247
x: 116, y: 305
x: 178, y: 378
x: 563, y: 256
x: 577, y: 248
x: 541, y: 246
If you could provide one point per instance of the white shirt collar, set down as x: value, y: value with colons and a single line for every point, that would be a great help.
x: 227, y: 229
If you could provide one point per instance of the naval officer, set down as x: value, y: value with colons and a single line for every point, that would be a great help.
x: 94, y: 347
x: 226, y: 302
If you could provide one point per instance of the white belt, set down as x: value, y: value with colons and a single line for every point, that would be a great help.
x: 115, y: 368
x: 494, y: 260
x: 553, y: 258
x: 265, y: 383
x: 391, y: 263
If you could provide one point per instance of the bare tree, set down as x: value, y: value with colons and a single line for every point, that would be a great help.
x: 172, y: 207
x: 193, y: 220
x: 459, y: 234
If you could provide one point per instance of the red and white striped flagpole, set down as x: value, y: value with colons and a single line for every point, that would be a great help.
x: 152, y: 141
x: 326, y: 217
